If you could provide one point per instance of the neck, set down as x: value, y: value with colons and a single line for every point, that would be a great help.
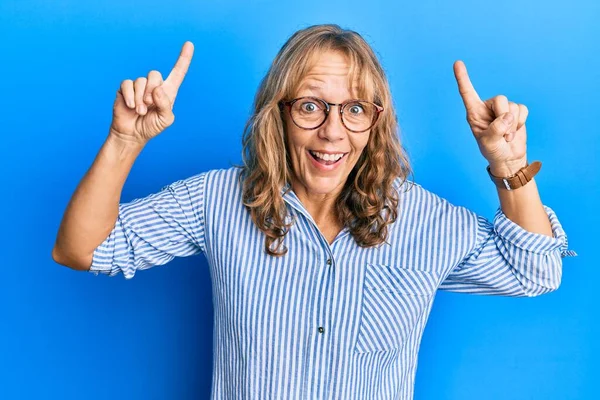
x: 321, y: 207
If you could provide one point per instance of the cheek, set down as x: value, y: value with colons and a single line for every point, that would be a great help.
x: 295, y: 143
x: 296, y: 139
x: 360, y: 145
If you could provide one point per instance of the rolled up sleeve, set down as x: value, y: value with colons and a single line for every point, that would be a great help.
x: 508, y: 260
x: 155, y: 229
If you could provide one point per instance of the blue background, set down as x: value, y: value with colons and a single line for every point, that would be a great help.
x: 72, y: 335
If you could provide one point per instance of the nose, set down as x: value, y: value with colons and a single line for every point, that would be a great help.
x: 333, y: 130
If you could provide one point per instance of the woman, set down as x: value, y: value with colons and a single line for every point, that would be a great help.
x: 325, y: 259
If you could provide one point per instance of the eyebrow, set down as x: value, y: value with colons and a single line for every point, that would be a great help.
x: 313, y: 86
x: 317, y: 88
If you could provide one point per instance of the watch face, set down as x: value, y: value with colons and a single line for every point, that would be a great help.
x: 501, y: 183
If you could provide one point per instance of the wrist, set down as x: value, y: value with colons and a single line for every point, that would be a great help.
x: 517, y: 179
x: 123, y: 148
x: 123, y: 144
x: 507, y: 168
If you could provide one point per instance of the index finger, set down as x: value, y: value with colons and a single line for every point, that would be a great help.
x: 181, y: 66
x: 465, y: 87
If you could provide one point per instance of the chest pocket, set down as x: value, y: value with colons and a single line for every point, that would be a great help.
x: 393, y: 300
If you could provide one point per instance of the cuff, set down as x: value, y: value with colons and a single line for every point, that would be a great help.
x: 530, y: 241
x: 103, y: 257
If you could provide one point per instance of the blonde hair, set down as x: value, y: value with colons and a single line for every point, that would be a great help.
x: 368, y: 202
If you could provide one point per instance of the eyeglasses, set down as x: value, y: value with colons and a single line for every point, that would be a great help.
x: 311, y: 112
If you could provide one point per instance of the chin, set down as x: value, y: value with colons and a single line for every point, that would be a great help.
x: 322, y: 185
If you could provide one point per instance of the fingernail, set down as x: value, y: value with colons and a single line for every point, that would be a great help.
x: 508, y: 117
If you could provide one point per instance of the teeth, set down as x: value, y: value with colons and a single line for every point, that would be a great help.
x: 328, y: 157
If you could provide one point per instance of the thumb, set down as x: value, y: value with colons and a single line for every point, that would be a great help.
x: 163, y: 103
x: 119, y: 100
x: 501, y: 125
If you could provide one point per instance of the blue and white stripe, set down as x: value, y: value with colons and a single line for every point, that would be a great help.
x: 326, y: 321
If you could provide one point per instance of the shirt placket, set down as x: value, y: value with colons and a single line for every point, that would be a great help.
x: 320, y: 373
x: 317, y: 372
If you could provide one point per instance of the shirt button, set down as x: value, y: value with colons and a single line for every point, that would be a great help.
x: 321, y: 330
x: 329, y: 261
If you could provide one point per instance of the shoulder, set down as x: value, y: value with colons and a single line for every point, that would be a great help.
x: 223, y: 173
x: 208, y: 179
x: 416, y: 199
x: 225, y: 179
x: 414, y: 194
x: 205, y: 189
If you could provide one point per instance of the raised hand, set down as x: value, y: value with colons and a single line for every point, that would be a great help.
x: 143, y: 108
x: 497, y: 124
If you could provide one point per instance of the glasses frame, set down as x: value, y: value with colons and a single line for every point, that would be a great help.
x: 290, y: 103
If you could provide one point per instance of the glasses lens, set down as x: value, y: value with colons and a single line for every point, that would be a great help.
x: 308, y: 112
x: 359, y: 115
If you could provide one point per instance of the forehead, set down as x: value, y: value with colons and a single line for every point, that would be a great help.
x: 329, y: 62
x: 330, y: 70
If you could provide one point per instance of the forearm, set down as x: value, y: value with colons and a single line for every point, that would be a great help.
x: 523, y: 206
x: 93, y: 209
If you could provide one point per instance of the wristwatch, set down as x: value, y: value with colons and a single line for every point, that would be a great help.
x: 517, y: 180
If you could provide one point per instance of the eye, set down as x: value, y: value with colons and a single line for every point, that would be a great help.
x: 355, y: 109
x: 309, y: 107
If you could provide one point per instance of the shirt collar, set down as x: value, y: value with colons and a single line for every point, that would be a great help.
x: 289, y: 196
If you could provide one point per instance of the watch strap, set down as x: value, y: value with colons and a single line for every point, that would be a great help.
x: 517, y: 180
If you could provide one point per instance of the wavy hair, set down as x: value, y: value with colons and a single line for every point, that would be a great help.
x: 368, y: 202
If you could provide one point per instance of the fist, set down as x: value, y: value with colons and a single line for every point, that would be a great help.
x: 497, y: 124
x: 143, y: 108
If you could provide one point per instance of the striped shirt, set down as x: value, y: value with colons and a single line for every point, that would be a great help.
x: 326, y: 321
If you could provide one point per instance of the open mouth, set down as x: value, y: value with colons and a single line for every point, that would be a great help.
x: 326, y: 159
